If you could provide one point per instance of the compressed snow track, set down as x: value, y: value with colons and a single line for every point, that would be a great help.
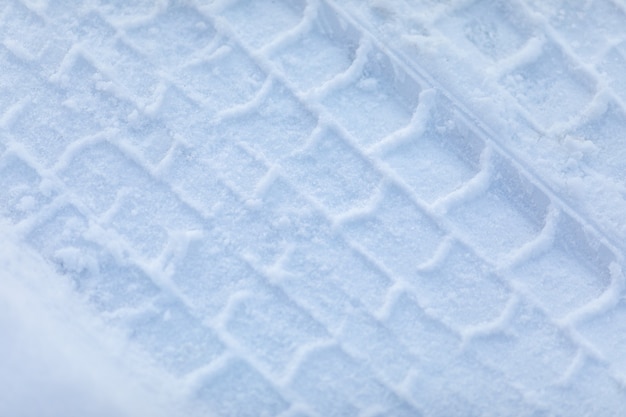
x: 292, y: 212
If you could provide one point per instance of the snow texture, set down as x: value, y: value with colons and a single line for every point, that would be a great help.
x: 312, y: 208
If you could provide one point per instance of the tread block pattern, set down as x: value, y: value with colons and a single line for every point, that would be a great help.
x: 239, y: 390
x: 508, y: 183
x: 45, y: 137
x: 227, y: 78
x: 96, y: 272
x: 279, y: 125
x: 497, y: 29
x: 609, y: 327
x: 23, y: 193
x: 171, y: 39
x: 597, y: 142
x: 149, y: 138
x: 494, y: 225
x: 373, y: 107
x: 207, y: 193
x: 176, y: 338
x: 240, y: 168
x: 137, y: 206
x: 282, y: 15
x: 120, y: 291
x: 557, y: 277
x: 100, y: 189
x: 333, y: 263
x: 272, y: 327
x: 223, y: 275
x: 367, y: 338
x: 440, y: 158
x: 461, y: 383
x: 26, y: 28
x: 454, y: 290
x: 540, y: 87
x: 581, y: 387
x: 350, y: 394
x: 291, y: 221
x: 425, y: 336
x: 322, y: 297
x: 330, y: 58
x: 599, y: 20
x: 330, y: 171
x: 89, y: 89
x: 16, y: 73
x: 132, y: 72
x: 125, y: 295
x: 521, y: 343
x: 62, y: 227
x: 397, y: 231
x: 173, y: 107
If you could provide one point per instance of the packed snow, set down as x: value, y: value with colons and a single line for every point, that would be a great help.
x: 312, y: 208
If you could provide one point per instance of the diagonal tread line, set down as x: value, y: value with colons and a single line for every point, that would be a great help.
x: 485, y: 132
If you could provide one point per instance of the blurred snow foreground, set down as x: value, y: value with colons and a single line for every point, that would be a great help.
x: 312, y: 208
x: 57, y: 358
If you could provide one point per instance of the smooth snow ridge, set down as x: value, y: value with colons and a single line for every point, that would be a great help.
x: 311, y: 208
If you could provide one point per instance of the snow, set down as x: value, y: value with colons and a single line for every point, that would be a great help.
x: 312, y: 208
x: 58, y: 357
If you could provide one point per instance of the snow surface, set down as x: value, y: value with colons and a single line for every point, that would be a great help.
x: 58, y: 358
x: 312, y: 208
